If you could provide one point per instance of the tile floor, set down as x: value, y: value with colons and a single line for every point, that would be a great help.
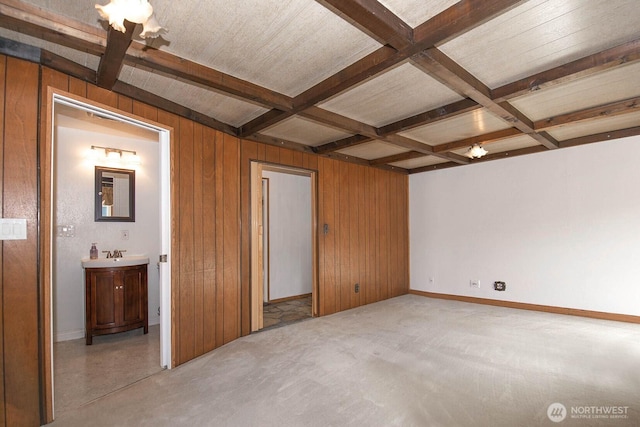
x: 286, y: 312
x: 84, y: 373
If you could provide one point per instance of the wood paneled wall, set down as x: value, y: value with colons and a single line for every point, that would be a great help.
x: 366, y: 210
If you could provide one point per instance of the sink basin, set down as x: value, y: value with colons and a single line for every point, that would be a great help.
x: 115, y: 262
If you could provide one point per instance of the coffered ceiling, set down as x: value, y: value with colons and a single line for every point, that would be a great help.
x: 401, y: 84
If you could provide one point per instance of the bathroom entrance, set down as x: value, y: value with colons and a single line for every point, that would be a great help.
x: 85, y: 141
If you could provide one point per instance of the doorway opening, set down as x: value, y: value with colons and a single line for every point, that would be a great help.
x: 74, y: 126
x: 283, y: 245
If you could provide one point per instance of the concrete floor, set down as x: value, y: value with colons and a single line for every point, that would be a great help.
x: 408, y: 361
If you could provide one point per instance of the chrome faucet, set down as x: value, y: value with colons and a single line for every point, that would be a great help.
x: 117, y: 253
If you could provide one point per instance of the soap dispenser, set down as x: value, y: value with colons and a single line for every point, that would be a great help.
x: 93, y: 252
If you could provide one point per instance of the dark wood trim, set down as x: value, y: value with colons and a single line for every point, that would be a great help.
x: 397, y: 158
x: 431, y: 168
x: 66, y: 66
x: 589, y: 114
x: 628, y: 318
x: 262, y: 122
x: 480, y: 139
x: 282, y: 143
x: 36, y: 22
x: 350, y: 141
x: 112, y: 60
x: 458, y: 19
x: 610, y: 58
x: 140, y: 55
x: 428, y: 117
x: 511, y: 153
x: 171, y: 107
x: 408, y: 143
x: 340, y: 122
x: 374, y: 19
x: 599, y: 137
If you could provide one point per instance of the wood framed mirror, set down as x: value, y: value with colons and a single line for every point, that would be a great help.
x: 115, y: 194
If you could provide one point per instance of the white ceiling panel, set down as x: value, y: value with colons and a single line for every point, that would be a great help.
x: 416, y: 12
x: 596, y: 126
x: 404, y: 91
x: 419, y: 162
x: 304, y: 131
x: 224, y: 108
x: 373, y: 150
x: 473, y: 123
x: 602, y: 88
x: 300, y: 42
x: 503, y: 145
x: 542, y: 34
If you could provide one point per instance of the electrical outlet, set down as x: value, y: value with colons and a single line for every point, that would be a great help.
x: 500, y: 286
x: 357, y: 288
x: 474, y: 283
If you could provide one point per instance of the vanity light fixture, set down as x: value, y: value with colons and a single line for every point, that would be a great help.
x: 136, y: 11
x: 475, y: 151
x: 115, y: 154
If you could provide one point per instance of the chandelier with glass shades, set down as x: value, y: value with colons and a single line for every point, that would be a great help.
x: 475, y: 151
x: 136, y: 11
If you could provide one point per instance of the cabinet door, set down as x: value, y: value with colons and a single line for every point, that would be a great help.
x: 103, y: 296
x: 134, y: 295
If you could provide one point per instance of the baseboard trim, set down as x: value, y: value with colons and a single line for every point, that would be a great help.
x: 533, y: 307
x: 291, y: 298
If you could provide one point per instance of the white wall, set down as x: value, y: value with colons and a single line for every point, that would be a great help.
x: 74, y: 205
x: 290, y: 243
x: 561, y: 228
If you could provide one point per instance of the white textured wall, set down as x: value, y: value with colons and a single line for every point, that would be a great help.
x: 290, y: 244
x: 561, y: 228
x: 74, y: 205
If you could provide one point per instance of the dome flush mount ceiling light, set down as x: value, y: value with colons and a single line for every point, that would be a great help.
x: 136, y: 11
x: 475, y: 152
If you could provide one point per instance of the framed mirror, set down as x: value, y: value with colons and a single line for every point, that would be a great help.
x: 115, y: 195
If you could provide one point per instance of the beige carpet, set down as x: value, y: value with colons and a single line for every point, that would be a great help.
x: 409, y: 361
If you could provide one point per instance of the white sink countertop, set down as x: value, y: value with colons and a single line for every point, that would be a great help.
x: 115, y: 262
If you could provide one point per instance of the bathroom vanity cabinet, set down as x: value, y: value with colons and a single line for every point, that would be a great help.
x: 116, y: 300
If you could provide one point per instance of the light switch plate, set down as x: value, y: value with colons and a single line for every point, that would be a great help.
x: 13, y: 229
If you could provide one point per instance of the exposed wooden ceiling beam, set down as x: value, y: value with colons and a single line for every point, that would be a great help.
x: 264, y: 121
x: 68, y: 67
x: 457, y: 19
x: 448, y: 72
x: 511, y: 153
x: 374, y: 19
x: 480, y: 139
x: 583, y: 67
x: 341, y: 122
x: 430, y: 168
x: 397, y: 158
x: 350, y: 141
x: 604, y: 136
x: 429, y: 117
x: 177, y: 109
x: 589, y: 114
x: 113, y: 57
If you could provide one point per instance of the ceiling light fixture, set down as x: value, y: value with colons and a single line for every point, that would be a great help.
x: 136, y: 11
x: 475, y: 152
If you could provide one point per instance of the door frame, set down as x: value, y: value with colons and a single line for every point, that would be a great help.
x: 55, y: 96
x: 257, y: 227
